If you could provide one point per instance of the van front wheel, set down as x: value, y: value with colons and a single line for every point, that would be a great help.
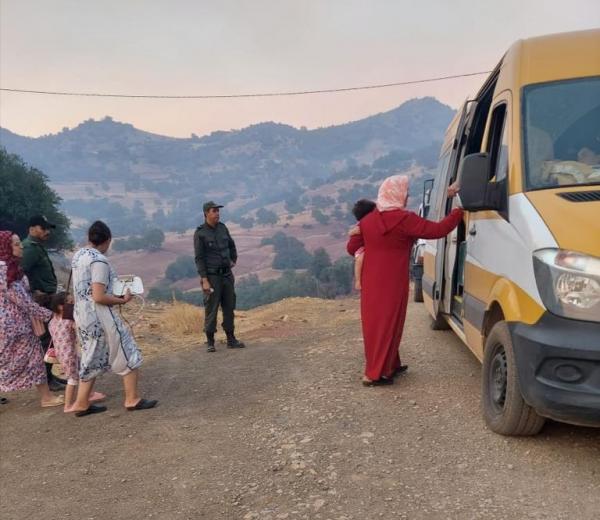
x: 504, y: 409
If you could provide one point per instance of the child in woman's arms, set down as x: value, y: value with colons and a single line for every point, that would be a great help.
x: 361, y: 208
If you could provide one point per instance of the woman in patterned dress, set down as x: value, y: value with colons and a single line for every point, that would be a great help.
x: 106, y: 344
x: 21, y: 361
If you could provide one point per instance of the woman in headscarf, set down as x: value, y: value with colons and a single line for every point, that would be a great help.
x: 21, y: 361
x: 387, y: 234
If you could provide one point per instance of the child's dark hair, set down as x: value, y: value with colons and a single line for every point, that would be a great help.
x: 56, y: 301
x: 99, y: 233
x: 363, y: 207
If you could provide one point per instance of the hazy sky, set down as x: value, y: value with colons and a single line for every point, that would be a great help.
x: 228, y: 47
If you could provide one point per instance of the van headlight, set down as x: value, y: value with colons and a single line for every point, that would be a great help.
x: 569, y: 283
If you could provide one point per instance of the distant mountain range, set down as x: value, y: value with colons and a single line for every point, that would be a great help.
x: 254, y: 167
x: 110, y: 150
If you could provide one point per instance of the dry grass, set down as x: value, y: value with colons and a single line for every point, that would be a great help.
x: 182, y: 318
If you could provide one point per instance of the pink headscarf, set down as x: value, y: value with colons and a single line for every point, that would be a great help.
x: 13, y: 263
x: 393, y: 193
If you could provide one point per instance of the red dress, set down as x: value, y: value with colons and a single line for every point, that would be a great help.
x: 388, y: 238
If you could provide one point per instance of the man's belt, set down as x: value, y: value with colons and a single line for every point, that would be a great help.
x: 219, y: 270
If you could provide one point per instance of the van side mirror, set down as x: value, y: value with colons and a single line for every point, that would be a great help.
x: 476, y: 192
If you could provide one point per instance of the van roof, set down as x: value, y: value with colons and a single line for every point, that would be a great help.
x: 553, y: 57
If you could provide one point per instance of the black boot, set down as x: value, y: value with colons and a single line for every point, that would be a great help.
x: 210, y: 342
x: 233, y: 342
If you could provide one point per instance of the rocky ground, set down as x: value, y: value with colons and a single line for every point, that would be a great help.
x: 284, y: 430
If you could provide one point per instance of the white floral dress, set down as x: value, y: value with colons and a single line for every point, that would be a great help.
x: 106, y: 344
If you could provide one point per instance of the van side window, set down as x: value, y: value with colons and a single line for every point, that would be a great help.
x: 480, y: 118
x: 498, y: 144
x: 439, y: 187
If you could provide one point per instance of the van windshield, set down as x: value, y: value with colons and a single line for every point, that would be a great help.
x: 561, y: 128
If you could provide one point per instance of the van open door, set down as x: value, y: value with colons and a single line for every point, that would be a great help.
x: 440, y: 207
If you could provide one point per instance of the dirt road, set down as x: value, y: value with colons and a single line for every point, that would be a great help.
x: 284, y: 430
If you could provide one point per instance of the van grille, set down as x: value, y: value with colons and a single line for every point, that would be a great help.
x: 581, y: 196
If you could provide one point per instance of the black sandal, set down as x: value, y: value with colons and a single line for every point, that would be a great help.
x: 379, y: 382
x: 92, y: 409
x: 400, y: 370
x: 143, y: 404
x: 3, y: 400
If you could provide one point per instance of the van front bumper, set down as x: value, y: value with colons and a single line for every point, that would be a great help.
x: 558, y: 363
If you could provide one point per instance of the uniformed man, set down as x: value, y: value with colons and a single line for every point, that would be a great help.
x: 36, y: 263
x: 42, y: 279
x: 216, y: 254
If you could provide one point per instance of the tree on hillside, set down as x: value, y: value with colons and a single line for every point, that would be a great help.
x: 246, y: 223
x: 265, y: 216
x: 153, y: 239
x: 24, y: 192
x: 338, y: 214
x: 252, y: 293
x: 290, y: 253
x: 320, y: 262
x: 322, y: 202
x: 320, y: 217
x: 293, y: 205
x: 343, y: 274
x: 183, y: 267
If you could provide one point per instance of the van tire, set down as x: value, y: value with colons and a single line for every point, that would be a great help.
x: 504, y: 409
x: 439, y: 323
x: 418, y: 291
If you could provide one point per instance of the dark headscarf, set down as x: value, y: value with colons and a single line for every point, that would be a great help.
x: 13, y: 263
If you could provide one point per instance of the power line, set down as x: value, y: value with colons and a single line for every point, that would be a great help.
x: 234, y: 96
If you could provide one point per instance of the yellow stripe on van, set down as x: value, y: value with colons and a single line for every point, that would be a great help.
x: 488, y: 287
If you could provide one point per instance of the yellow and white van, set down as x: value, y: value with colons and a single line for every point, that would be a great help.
x: 519, y: 280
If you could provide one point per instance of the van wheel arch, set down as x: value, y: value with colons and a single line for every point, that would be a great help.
x: 492, y: 316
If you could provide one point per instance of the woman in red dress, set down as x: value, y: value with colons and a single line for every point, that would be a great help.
x: 387, y: 234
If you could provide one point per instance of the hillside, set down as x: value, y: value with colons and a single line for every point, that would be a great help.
x: 306, y: 179
x: 109, y: 150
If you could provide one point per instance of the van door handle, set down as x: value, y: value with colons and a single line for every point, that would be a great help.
x: 473, y: 230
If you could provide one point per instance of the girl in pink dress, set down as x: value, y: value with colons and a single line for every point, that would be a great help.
x: 21, y: 364
x: 64, y: 342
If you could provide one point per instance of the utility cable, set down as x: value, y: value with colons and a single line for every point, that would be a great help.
x: 248, y: 95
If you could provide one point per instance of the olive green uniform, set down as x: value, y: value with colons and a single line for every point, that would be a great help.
x: 215, y: 254
x: 42, y: 282
x: 38, y: 267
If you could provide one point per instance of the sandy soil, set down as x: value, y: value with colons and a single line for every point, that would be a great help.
x: 284, y: 430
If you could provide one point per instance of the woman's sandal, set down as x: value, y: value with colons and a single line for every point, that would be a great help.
x: 378, y: 382
x: 59, y: 400
x: 400, y: 370
x: 91, y: 409
x: 143, y: 404
x: 97, y: 396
